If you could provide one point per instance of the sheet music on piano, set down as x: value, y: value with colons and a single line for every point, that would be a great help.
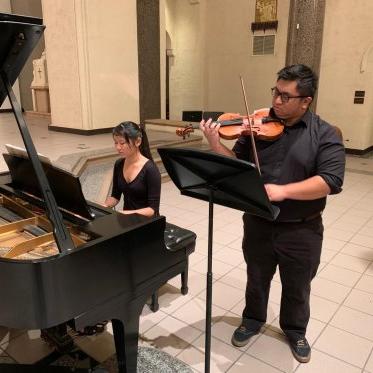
x: 21, y: 152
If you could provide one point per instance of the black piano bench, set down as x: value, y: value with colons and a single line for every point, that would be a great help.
x: 175, y: 239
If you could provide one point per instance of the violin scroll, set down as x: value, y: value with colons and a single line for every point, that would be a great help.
x: 186, y: 131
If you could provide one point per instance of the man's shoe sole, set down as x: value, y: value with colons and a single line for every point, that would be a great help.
x: 239, y: 344
x: 301, y: 359
x: 243, y: 343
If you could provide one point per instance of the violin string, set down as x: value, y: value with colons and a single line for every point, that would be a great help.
x: 251, y: 127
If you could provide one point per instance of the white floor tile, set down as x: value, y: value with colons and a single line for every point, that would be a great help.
x: 329, y: 290
x: 344, y: 346
x: 360, y: 300
x: 369, y: 365
x: 236, y: 278
x: 358, y: 251
x: 246, y: 364
x: 365, y: 284
x: 171, y: 335
x: 223, y: 356
x: 273, y: 349
x: 354, y: 322
x: 194, y: 313
x: 230, y: 256
x: 350, y: 262
x: 322, y: 309
x: 323, y: 363
x: 340, y: 275
x: 224, y: 296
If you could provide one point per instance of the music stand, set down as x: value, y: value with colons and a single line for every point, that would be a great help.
x: 217, y: 179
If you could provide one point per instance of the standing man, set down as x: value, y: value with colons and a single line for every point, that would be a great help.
x: 299, y: 170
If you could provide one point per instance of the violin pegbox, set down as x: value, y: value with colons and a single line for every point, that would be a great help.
x: 185, y: 131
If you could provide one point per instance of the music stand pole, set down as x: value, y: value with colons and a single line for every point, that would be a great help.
x: 209, y: 284
x: 217, y: 179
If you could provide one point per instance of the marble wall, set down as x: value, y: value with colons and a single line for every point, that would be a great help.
x: 92, y: 59
x: 346, y: 67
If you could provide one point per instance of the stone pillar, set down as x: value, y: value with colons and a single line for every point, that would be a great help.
x: 92, y: 63
x: 306, y: 23
x: 149, y: 58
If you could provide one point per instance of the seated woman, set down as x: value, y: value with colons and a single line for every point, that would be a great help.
x: 135, y: 174
x: 136, y: 177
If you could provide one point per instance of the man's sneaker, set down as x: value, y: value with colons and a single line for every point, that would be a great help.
x: 245, y: 331
x: 300, y: 348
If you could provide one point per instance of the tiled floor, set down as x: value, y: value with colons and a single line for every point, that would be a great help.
x: 341, y: 325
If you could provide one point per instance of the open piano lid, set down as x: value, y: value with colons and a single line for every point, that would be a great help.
x: 27, y: 31
x: 18, y: 37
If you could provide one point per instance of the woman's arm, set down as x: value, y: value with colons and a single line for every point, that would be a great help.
x: 146, y: 211
x: 114, y: 198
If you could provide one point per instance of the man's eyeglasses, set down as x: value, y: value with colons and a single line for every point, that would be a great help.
x: 284, y: 96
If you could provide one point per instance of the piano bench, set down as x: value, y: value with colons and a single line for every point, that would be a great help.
x: 176, y: 239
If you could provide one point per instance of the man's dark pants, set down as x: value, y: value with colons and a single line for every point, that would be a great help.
x: 296, y: 249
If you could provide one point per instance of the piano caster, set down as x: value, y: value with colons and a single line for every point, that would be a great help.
x: 93, y: 329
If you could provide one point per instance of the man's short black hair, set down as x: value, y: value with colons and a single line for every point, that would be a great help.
x: 306, y: 79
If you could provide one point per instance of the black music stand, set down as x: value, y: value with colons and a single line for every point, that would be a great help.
x: 217, y: 179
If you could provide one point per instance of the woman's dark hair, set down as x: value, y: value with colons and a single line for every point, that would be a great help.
x: 306, y: 79
x: 131, y: 131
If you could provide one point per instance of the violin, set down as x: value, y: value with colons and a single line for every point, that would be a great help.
x: 263, y: 126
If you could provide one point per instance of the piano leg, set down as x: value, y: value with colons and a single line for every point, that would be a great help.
x: 126, y: 343
x: 154, y: 306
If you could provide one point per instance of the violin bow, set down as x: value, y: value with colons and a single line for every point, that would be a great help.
x: 251, y: 127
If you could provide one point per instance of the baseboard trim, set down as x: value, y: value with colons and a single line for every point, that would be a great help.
x: 359, y: 151
x: 77, y: 131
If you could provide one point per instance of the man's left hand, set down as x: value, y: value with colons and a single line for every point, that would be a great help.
x: 275, y: 192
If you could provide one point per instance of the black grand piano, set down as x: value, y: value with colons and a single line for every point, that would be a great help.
x: 63, y: 259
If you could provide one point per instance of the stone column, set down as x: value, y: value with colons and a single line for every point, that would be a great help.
x: 306, y: 22
x: 149, y: 58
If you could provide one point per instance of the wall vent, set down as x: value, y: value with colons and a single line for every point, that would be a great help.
x: 359, y: 97
x: 263, y: 44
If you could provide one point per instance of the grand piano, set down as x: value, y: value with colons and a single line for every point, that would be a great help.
x: 64, y: 259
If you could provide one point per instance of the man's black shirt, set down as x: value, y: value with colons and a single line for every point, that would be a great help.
x: 308, y: 148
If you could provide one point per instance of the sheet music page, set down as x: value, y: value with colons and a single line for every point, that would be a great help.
x: 21, y: 152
